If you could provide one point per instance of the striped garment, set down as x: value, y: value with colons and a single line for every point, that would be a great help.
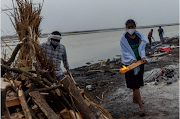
x: 57, y: 55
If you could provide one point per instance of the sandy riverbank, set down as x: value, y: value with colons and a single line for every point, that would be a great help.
x: 161, y: 96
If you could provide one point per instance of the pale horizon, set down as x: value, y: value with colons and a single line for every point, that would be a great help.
x: 84, y: 15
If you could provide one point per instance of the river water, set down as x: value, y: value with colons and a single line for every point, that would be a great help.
x: 102, y: 45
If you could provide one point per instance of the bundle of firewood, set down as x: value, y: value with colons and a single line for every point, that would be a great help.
x: 30, y: 83
x: 44, y: 97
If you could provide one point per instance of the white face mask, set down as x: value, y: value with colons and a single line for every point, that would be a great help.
x: 131, y: 31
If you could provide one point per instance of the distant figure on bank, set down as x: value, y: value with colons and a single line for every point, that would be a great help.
x: 160, y: 30
x: 150, y: 36
x: 57, y: 52
x: 133, y: 49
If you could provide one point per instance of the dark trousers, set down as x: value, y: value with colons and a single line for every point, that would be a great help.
x: 161, y: 38
x: 149, y: 41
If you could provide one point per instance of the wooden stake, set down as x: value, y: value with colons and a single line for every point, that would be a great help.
x: 41, y: 102
x: 79, y: 102
x: 24, y: 104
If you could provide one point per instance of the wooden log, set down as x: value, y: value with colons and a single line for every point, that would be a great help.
x: 49, y: 88
x: 27, y: 74
x: 87, y: 96
x: 93, y: 104
x: 35, y: 80
x: 12, y: 101
x: 41, y: 102
x: 69, y: 114
x: 11, y: 117
x: 132, y: 66
x: 104, y: 111
x: 31, y: 88
x: 24, y: 105
x: 18, y: 46
x: 22, y: 100
x: 41, y: 116
x: 4, y: 109
x: 12, y: 82
x: 45, y: 81
x: 98, y: 114
x: 47, y: 76
x: 79, y: 102
x: 38, y: 75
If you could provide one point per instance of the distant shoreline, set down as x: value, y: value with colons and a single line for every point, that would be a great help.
x: 111, y: 29
x: 95, y: 31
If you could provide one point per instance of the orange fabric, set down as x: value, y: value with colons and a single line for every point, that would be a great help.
x: 166, y: 49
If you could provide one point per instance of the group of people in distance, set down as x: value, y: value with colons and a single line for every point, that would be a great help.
x: 160, y: 30
x: 132, y: 45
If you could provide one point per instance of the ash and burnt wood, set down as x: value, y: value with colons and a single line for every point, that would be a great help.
x: 79, y: 102
x: 41, y: 102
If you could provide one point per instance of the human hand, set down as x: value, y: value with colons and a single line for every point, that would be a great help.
x: 143, y: 60
x: 134, y: 61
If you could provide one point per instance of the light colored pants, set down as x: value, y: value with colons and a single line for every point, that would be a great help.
x: 161, y: 38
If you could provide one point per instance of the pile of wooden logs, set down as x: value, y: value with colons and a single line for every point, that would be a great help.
x: 42, y: 97
x: 39, y: 96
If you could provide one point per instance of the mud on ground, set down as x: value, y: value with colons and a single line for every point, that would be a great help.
x: 109, y: 88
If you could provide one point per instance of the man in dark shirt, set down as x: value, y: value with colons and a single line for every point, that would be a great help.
x: 160, y: 30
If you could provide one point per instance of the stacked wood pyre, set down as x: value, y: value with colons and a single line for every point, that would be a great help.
x: 30, y: 84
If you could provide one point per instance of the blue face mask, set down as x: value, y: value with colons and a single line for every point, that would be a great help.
x: 55, y: 43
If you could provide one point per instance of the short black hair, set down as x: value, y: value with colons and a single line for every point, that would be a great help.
x: 56, y: 33
x: 159, y: 26
x: 151, y: 29
x: 130, y: 21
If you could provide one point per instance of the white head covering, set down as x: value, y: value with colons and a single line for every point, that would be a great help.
x: 58, y: 37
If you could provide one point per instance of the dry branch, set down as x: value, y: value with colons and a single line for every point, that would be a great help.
x: 24, y: 104
x: 18, y: 46
x: 77, y: 98
x: 41, y: 102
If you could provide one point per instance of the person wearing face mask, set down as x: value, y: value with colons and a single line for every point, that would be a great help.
x: 52, y: 49
x: 133, y: 49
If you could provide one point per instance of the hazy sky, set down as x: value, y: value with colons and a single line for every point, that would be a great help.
x: 79, y: 15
